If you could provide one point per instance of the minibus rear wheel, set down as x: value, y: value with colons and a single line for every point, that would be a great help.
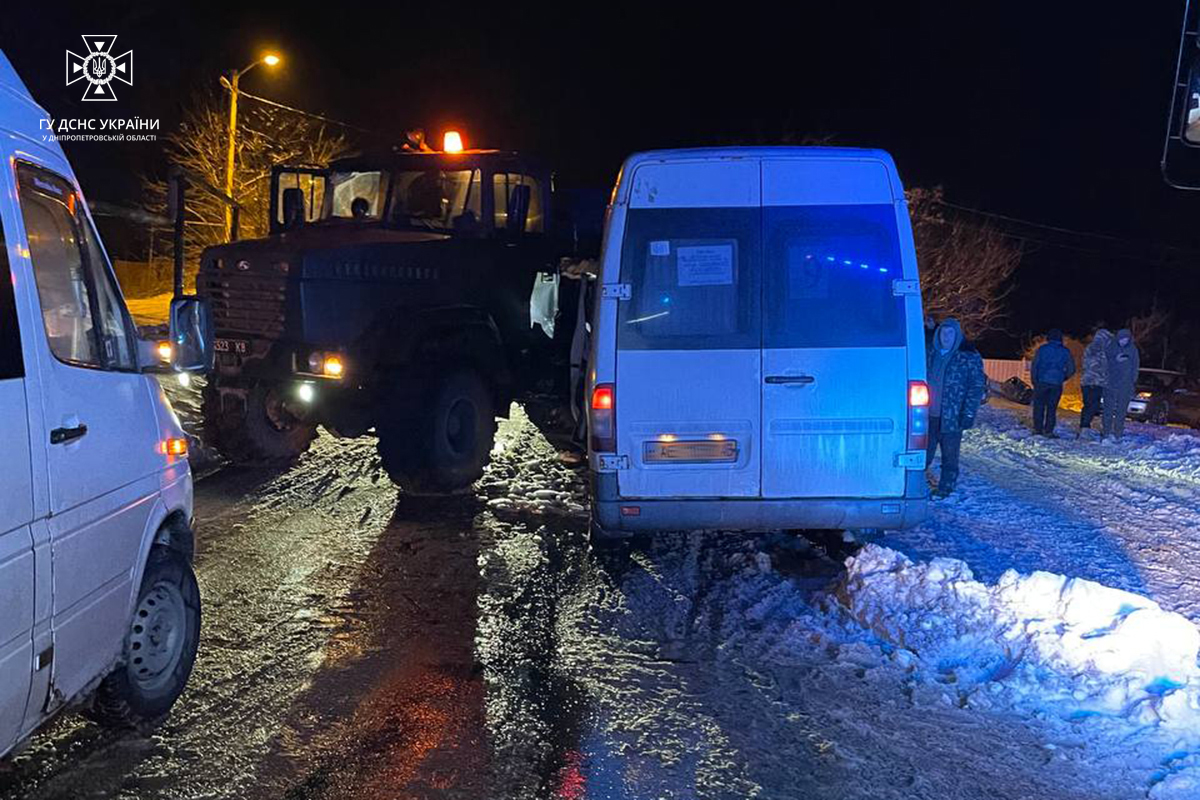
x: 160, y: 647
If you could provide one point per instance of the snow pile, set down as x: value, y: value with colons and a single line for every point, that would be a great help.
x: 1154, y: 450
x: 1075, y: 646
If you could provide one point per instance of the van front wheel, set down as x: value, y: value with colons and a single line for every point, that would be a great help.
x: 160, y: 647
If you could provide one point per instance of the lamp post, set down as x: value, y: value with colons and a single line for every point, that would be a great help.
x: 271, y: 60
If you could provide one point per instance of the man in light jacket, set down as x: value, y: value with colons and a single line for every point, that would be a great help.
x: 1053, y: 365
x: 1123, y: 365
x: 1095, y: 376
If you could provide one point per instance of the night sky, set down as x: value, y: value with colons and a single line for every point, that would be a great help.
x: 1039, y: 111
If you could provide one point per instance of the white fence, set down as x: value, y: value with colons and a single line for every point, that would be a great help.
x: 1001, y: 369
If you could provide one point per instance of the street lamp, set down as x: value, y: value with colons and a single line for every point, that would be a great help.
x: 271, y: 60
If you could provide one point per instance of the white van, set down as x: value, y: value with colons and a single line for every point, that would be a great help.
x: 758, y: 356
x: 98, y: 603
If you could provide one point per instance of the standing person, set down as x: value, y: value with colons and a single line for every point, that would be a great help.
x: 956, y: 389
x: 1095, y: 376
x: 1053, y: 365
x: 1123, y: 365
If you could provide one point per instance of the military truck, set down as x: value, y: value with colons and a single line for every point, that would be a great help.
x: 392, y: 295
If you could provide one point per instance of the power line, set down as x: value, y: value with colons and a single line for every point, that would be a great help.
x: 1032, y: 224
x: 1149, y: 251
x: 300, y: 111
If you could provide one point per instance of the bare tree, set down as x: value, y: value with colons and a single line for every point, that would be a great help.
x: 965, y: 266
x: 1151, y: 331
x: 267, y: 137
x: 1148, y: 327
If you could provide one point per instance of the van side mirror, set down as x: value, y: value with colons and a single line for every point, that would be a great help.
x: 518, y: 209
x: 192, y: 345
x: 293, y: 208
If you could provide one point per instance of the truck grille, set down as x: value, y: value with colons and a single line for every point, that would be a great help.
x: 246, y: 304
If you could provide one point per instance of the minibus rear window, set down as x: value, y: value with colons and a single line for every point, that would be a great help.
x: 693, y: 277
x: 12, y: 365
x: 828, y: 277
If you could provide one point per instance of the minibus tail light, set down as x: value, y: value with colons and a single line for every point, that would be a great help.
x: 918, y: 415
x: 918, y: 393
x: 604, y: 418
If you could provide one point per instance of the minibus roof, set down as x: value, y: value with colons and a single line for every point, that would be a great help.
x: 20, y: 113
x: 729, y: 156
x: 686, y: 153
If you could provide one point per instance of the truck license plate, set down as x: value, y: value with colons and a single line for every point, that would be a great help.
x: 710, y: 451
x: 239, y: 346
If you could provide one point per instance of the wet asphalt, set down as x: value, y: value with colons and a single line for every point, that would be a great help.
x: 359, y: 643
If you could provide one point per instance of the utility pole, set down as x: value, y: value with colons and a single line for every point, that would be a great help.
x: 233, y: 80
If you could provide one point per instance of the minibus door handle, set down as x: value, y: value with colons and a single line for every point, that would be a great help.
x: 803, y: 380
x: 63, y: 435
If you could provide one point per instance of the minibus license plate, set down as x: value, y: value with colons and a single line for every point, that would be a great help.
x: 723, y: 450
x: 239, y: 346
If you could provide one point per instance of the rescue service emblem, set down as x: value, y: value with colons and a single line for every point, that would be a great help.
x: 99, y: 66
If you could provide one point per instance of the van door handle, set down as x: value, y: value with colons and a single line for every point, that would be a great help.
x: 63, y: 435
x: 804, y: 380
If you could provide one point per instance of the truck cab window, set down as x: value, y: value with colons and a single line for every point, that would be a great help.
x: 436, y: 199
x: 312, y: 194
x: 502, y: 191
x: 84, y: 319
x: 357, y: 195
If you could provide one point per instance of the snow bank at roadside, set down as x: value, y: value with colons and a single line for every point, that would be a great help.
x: 1066, y: 645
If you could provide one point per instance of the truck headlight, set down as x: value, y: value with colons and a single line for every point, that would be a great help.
x: 331, y: 365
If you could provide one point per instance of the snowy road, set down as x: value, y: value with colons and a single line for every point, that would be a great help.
x: 361, y: 645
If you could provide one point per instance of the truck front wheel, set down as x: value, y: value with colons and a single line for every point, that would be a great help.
x: 257, y: 429
x: 444, y: 444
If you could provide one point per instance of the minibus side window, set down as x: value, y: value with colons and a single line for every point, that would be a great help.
x: 694, y: 279
x: 828, y: 277
x: 74, y: 283
x: 12, y: 364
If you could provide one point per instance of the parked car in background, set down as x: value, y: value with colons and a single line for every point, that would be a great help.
x: 1013, y: 389
x: 758, y: 349
x: 1165, y: 396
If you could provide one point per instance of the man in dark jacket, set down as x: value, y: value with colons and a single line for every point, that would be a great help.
x: 956, y: 389
x: 1053, y: 365
x: 1095, y: 376
x: 1123, y: 365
